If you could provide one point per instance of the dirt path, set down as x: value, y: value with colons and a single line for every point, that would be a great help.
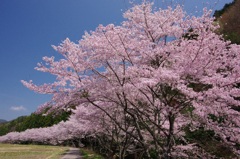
x: 73, y: 153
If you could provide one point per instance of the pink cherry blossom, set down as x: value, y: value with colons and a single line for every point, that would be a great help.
x: 135, y: 83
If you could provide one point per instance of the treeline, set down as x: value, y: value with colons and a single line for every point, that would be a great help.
x: 33, y: 121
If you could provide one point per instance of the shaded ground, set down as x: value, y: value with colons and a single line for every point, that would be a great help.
x: 73, y: 153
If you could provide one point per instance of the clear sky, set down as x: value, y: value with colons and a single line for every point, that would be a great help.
x: 28, y: 28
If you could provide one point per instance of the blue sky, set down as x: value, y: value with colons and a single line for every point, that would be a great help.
x: 28, y: 28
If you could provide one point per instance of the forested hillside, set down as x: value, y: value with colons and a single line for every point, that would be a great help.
x: 32, y: 121
x: 229, y: 21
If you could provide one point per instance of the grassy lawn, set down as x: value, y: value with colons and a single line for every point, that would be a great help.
x: 13, y: 151
x: 88, y: 154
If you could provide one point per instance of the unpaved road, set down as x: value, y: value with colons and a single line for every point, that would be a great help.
x: 73, y: 153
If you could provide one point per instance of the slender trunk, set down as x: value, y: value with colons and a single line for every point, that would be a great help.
x: 169, y: 144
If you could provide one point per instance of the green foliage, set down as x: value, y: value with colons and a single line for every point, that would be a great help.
x: 200, y: 134
x: 188, y: 110
x: 33, y: 121
x: 209, y: 141
x: 214, y: 118
x: 3, y: 130
x: 153, y: 154
x: 88, y: 154
x: 199, y: 87
x: 232, y: 36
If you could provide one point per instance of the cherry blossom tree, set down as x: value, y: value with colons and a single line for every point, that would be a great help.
x: 143, y: 83
x: 54, y: 135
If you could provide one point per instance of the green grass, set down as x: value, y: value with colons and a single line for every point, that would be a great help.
x: 89, y: 154
x: 14, y: 151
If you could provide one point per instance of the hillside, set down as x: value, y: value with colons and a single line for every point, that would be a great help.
x: 3, y: 121
x: 229, y: 21
x: 32, y: 121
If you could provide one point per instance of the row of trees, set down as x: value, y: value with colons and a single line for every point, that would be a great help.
x: 144, y: 86
x: 55, y: 135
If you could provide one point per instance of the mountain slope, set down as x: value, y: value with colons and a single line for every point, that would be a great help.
x: 229, y: 21
x: 3, y: 121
